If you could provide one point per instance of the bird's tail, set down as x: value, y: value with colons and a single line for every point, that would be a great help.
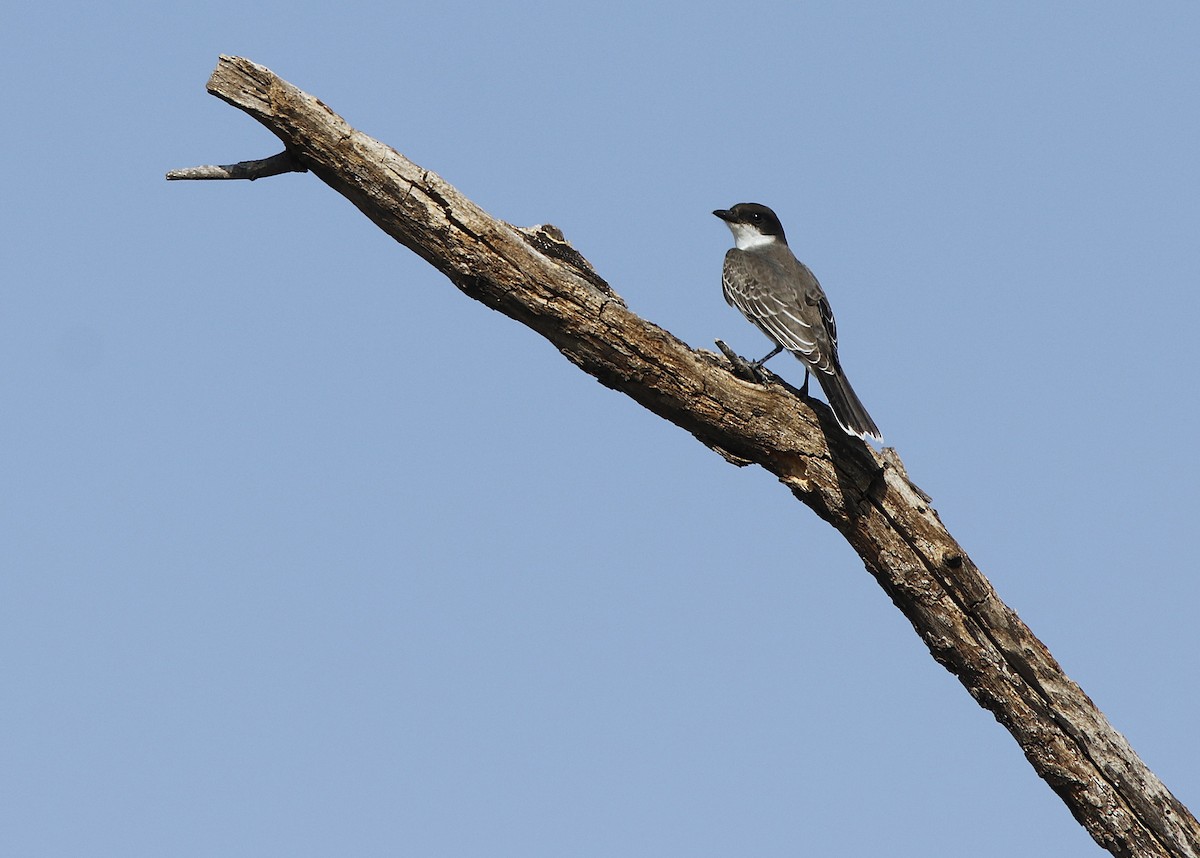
x: 847, y: 407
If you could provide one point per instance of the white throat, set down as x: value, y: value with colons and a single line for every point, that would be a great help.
x: 747, y: 237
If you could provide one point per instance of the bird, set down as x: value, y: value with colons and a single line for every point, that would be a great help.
x: 781, y: 297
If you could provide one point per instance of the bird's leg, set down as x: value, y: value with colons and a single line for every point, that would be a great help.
x: 748, y: 369
x: 742, y: 368
x: 758, y: 363
x: 804, y: 387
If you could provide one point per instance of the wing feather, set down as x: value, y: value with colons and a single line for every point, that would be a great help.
x: 782, y: 298
x: 786, y: 303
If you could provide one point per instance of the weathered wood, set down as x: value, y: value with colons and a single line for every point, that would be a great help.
x: 534, y: 276
x: 251, y: 170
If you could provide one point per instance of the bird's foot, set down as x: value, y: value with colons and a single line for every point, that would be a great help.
x: 742, y: 368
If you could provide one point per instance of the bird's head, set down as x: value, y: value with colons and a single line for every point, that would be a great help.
x: 752, y: 225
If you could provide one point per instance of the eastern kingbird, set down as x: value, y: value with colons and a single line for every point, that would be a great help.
x: 782, y: 298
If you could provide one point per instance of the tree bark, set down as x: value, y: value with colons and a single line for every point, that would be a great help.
x: 534, y: 276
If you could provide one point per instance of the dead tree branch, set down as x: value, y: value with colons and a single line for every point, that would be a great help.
x: 534, y: 276
x: 273, y: 166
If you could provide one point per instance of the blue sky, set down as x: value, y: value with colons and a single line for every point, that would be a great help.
x: 306, y: 554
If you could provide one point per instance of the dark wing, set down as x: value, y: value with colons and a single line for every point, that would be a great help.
x: 783, y: 299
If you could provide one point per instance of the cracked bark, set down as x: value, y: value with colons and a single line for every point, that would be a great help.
x: 534, y: 276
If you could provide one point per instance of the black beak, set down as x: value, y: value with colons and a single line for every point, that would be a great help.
x: 724, y: 214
